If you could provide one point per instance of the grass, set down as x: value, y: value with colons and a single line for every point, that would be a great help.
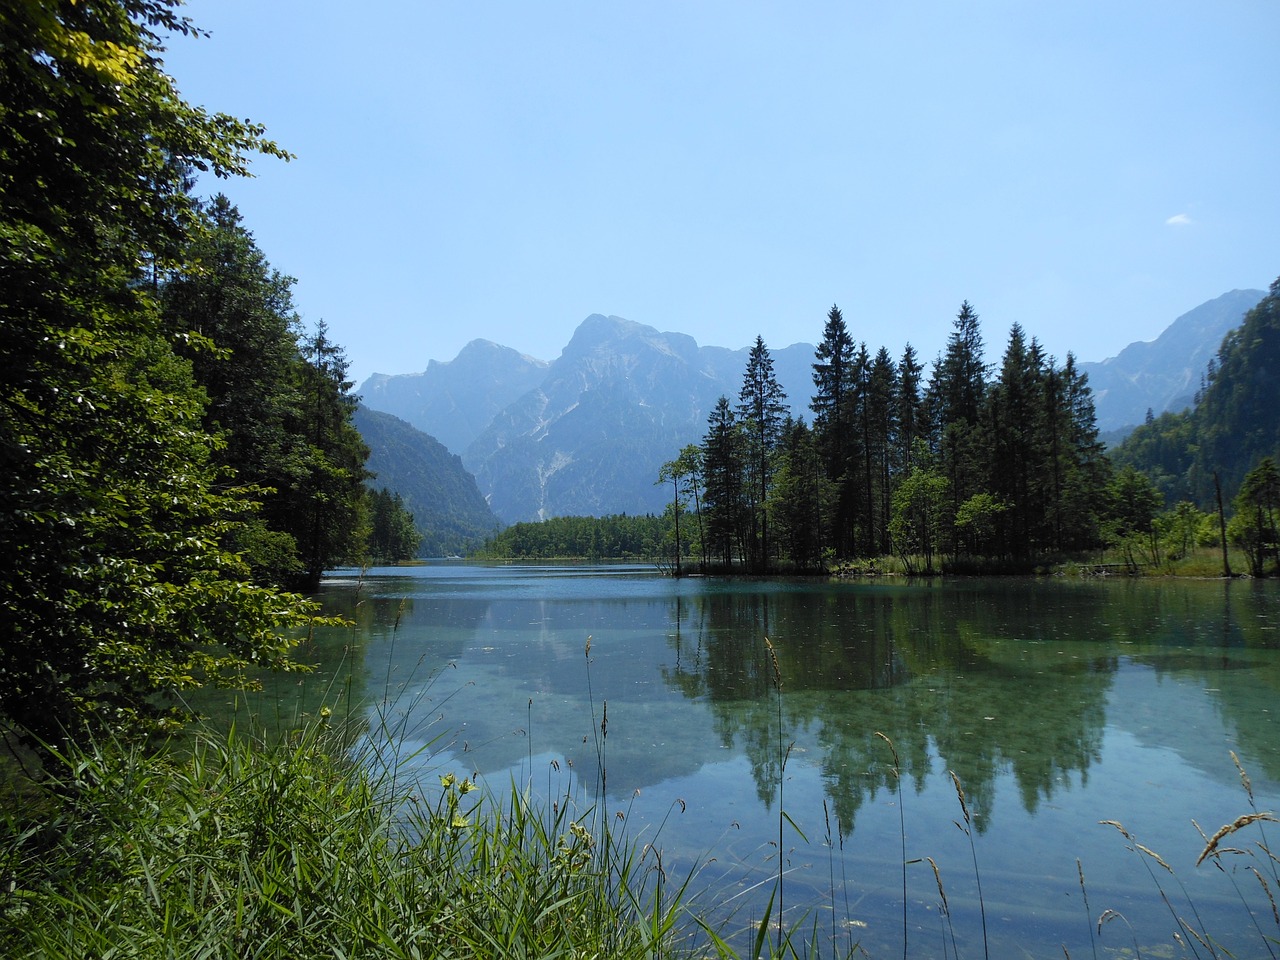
x: 242, y: 847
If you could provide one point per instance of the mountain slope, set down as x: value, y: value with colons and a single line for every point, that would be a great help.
x: 455, y: 400
x: 621, y: 399
x: 1164, y: 374
x: 447, y: 506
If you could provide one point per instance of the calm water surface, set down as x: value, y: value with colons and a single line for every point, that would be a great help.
x: 1056, y: 704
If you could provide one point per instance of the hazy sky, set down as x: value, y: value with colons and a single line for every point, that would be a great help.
x: 1088, y: 168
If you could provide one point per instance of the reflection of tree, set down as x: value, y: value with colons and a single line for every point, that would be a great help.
x: 932, y: 669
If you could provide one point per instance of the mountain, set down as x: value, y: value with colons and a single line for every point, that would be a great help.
x: 622, y: 399
x: 447, y: 507
x: 1164, y: 374
x: 455, y: 401
x: 590, y: 434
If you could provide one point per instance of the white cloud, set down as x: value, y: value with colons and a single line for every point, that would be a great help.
x: 1178, y: 220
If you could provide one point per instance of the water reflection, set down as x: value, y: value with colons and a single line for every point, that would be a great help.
x: 1057, y: 704
x: 931, y: 669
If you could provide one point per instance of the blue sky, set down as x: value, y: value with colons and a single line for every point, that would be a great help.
x: 1088, y: 169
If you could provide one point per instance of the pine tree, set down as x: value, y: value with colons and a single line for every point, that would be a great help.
x: 800, y: 497
x: 324, y: 509
x: 832, y: 405
x: 724, y: 475
x: 243, y: 348
x: 881, y: 417
x: 762, y: 410
x: 955, y: 398
x: 910, y: 415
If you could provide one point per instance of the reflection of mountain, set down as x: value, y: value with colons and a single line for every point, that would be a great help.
x: 497, y: 678
x: 930, y: 670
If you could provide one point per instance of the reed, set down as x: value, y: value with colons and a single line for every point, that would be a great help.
x: 967, y: 829
x: 902, y: 834
x: 247, y: 847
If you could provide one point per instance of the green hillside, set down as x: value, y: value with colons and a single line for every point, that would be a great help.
x: 446, y: 504
x: 1234, y: 423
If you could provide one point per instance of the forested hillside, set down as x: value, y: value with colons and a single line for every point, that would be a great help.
x: 451, y: 515
x: 1165, y: 373
x: 1235, y: 421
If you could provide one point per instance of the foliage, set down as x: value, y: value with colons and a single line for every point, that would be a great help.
x: 615, y: 537
x: 800, y: 498
x: 118, y: 581
x: 252, y: 848
x: 919, y: 507
x: 1255, y: 528
x: 762, y: 413
x: 724, y: 479
x: 1130, y: 524
x: 393, y: 536
x: 265, y: 398
x: 686, y: 469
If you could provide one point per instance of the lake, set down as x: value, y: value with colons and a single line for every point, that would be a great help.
x: 1056, y: 703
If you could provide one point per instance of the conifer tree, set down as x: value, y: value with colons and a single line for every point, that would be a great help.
x: 955, y: 399
x: 832, y: 405
x: 724, y: 475
x: 762, y: 410
x: 800, y: 497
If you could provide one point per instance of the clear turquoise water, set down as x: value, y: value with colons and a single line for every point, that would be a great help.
x: 1057, y: 705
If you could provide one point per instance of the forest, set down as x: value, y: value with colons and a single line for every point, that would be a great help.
x: 980, y: 468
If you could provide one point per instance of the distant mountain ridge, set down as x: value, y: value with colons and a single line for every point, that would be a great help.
x: 458, y: 398
x: 1164, y: 374
x: 590, y: 436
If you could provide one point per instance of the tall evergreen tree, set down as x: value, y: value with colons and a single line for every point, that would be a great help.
x: 244, y: 355
x: 393, y: 536
x: 800, y: 497
x: 1082, y: 469
x: 832, y: 405
x: 955, y: 397
x: 1013, y: 406
x: 910, y: 414
x: 724, y: 475
x: 325, y: 508
x: 762, y: 410
x: 881, y: 418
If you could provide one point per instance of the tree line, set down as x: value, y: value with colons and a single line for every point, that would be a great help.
x: 614, y: 537
x: 979, y: 467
